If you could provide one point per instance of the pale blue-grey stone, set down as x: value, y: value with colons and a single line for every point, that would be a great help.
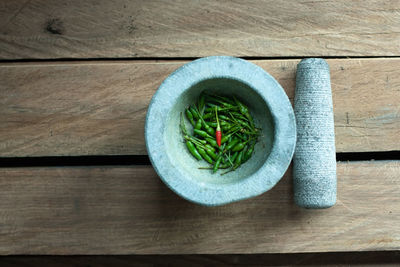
x: 269, y: 106
x: 314, y: 162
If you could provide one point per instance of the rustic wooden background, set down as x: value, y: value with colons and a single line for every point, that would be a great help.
x: 75, y: 81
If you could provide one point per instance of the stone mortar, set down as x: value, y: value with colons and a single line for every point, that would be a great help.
x: 269, y: 106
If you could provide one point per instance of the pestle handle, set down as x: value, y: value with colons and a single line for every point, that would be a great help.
x: 314, y: 162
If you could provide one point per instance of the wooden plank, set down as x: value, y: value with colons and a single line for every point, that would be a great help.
x: 125, y: 210
x: 98, y: 108
x: 126, y: 28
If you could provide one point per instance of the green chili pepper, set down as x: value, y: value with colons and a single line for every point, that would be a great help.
x: 224, y: 117
x: 212, y: 124
x: 245, y: 111
x: 194, y: 113
x: 226, y: 137
x: 201, y: 133
x: 219, y: 109
x: 212, y: 142
x: 204, y: 155
x: 223, y: 103
x: 222, y: 147
x: 208, y: 146
x: 242, y: 108
x: 238, y: 160
x: 208, y: 129
x: 233, y: 158
x: 199, y: 140
x: 223, y: 158
x: 224, y: 166
x: 211, y: 153
x: 232, y: 144
x: 239, y: 147
x: 226, y: 128
x: 234, y: 128
x: 226, y: 99
x: 213, y: 105
x: 198, y: 124
x: 192, y: 149
x: 245, y: 149
x: 217, y: 163
x: 245, y: 124
x: 238, y: 115
x: 211, y: 109
x: 189, y: 115
x: 221, y: 100
x: 248, y: 152
x: 194, y: 140
x: 240, y: 136
x: 212, y: 96
x: 208, y: 115
x: 224, y: 123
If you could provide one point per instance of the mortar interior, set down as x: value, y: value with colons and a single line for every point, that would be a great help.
x: 176, y: 148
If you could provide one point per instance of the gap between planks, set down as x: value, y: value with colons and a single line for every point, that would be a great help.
x: 131, y: 160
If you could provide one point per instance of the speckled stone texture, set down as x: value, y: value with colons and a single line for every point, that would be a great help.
x: 269, y: 106
x: 314, y: 162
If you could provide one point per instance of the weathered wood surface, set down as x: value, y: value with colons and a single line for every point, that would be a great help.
x: 53, y: 109
x: 124, y: 210
x: 122, y: 28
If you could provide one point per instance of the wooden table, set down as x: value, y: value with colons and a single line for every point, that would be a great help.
x: 76, y: 78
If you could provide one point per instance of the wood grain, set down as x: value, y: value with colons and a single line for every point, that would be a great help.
x: 98, y: 108
x: 126, y: 28
x: 125, y: 210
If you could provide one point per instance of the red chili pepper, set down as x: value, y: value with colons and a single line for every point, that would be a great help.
x: 218, y: 134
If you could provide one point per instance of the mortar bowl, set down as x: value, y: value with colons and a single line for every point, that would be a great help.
x: 267, y: 103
